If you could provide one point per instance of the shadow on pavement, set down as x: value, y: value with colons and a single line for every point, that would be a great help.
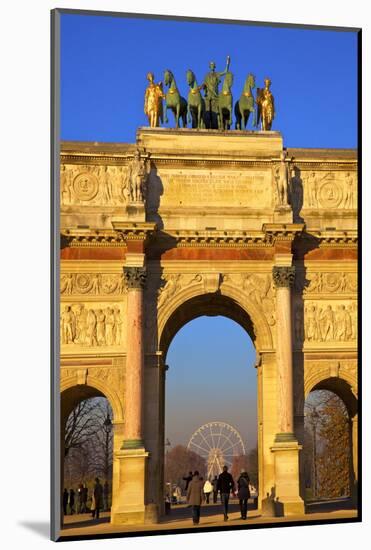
x: 86, y: 523
x: 333, y: 505
x: 207, y: 510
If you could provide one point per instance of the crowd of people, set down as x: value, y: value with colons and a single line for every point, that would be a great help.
x: 76, y: 502
x: 199, y: 491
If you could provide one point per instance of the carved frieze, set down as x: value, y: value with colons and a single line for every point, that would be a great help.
x: 329, y: 190
x: 326, y: 282
x: 100, y: 326
x: 94, y: 185
x: 92, y: 283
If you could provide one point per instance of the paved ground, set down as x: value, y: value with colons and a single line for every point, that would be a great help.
x: 211, y: 516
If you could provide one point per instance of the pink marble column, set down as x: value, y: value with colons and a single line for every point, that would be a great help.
x: 133, y: 432
x: 283, y: 278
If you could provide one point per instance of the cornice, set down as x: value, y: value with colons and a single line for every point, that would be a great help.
x: 126, y: 231
x: 202, y: 159
x: 334, y: 238
x: 134, y: 231
x: 282, y: 232
x: 215, y: 238
x: 77, y: 238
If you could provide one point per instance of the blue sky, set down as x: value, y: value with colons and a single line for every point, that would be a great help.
x: 211, y: 377
x: 104, y: 62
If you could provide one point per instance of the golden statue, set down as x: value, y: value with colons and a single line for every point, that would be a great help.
x: 265, y: 102
x: 153, y: 102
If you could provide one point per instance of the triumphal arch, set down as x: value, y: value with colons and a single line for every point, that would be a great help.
x: 190, y: 222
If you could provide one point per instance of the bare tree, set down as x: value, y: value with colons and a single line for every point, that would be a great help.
x: 179, y: 461
x: 89, y: 442
x: 82, y: 424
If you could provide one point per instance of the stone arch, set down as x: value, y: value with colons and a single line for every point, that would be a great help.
x: 72, y: 393
x: 192, y: 302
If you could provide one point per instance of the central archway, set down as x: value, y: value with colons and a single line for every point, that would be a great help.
x: 232, y: 305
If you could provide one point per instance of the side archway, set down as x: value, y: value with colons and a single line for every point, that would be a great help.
x: 72, y: 394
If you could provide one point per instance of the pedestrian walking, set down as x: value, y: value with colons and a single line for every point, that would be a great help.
x: 243, y: 484
x: 177, y: 494
x: 225, y: 486
x: 65, y: 501
x: 98, y: 495
x: 188, y: 480
x: 208, y: 488
x: 194, y: 497
x: 92, y: 506
x: 71, y: 501
x: 214, y: 483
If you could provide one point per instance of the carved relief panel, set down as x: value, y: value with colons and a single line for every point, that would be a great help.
x: 259, y: 289
x: 92, y: 325
x: 88, y: 185
x: 329, y: 190
x: 325, y: 323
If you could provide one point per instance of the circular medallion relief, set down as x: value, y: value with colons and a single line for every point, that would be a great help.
x: 85, y: 186
x: 83, y: 283
x: 332, y: 282
x: 109, y: 283
x: 330, y: 194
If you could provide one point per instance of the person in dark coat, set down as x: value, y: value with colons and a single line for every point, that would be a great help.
x: 188, y: 480
x: 194, y: 497
x: 243, y: 492
x: 105, y: 496
x: 214, y: 483
x: 98, y: 497
x: 65, y: 501
x: 225, y: 486
x: 84, y: 499
x: 72, y: 501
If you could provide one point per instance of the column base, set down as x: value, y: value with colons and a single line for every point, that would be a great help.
x: 287, y: 499
x: 284, y: 508
x: 128, y: 505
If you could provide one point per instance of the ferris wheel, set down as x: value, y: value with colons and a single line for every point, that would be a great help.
x: 217, y: 443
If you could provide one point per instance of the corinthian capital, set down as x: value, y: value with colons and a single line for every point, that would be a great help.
x: 135, y: 277
x: 283, y: 276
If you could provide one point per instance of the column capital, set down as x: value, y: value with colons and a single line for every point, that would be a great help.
x: 283, y: 276
x: 135, y: 277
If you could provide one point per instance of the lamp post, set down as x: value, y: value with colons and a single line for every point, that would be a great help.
x: 168, y: 444
x: 107, y: 427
